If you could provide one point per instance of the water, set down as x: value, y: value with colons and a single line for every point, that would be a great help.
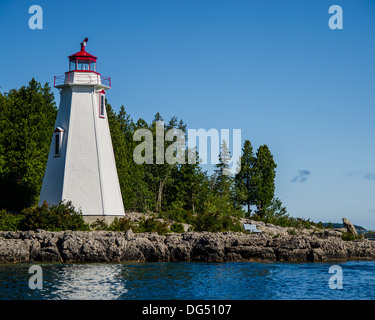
x: 187, y: 280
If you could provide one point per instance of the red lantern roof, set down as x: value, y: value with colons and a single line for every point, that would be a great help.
x: 82, y: 54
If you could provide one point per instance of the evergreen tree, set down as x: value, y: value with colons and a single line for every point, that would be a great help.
x: 187, y: 191
x: 159, y: 174
x: 264, y: 179
x: 244, y: 180
x: 223, y: 179
x: 220, y: 211
x: 183, y: 191
x: 134, y: 190
x: 27, y: 118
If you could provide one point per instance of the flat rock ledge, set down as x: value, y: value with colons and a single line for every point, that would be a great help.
x: 104, y: 246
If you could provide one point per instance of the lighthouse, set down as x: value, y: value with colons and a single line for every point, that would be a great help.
x: 81, y: 165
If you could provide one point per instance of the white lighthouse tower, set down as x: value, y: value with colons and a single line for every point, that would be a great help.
x: 81, y: 165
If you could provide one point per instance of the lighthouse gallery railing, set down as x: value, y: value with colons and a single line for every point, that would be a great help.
x: 74, y: 77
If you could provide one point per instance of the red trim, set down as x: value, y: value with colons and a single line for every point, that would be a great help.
x: 82, y: 54
x: 82, y: 71
x: 83, y: 58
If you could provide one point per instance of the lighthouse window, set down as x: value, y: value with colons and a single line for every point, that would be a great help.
x: 92, y: 65
x: 57, y: 138
x: 57, y: 145
x: 72, y: 65
x: 102, y: 105
x: 83, y: 65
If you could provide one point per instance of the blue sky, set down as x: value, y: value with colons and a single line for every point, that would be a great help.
x: 273, y: 69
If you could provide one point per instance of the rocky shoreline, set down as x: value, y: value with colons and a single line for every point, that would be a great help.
x: 273, y: 244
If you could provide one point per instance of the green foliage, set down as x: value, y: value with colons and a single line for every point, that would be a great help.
x: 9, y: 221
x: 277, y: 214
x: 27, y: 118
x: 123, y: 224
x: 219, y: 211
x: 223, y: 180
x: 330, y: 225
x: 145, y: 225
x: 135, y: 193
x: 99, y: 225
x: 348, y: 236
x: 188, y: 190
x: 218, y: 215
x: 182, y: 192
x: 264, y: 179
x: 152, y: 225
x: 118, y: 224
x: 53, y: 218
x: 215, y: 221
x: 176, y: 212
x: 244, y: 180
x: 177, y: 227
x: 160, y: 175
x: 179, y: 192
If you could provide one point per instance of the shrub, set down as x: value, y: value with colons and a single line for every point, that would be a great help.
x: 99, y: 225
x: 216, y: 221
x: 9, y: 221
x: 177, y: 214
x: 276, y: 214
x: 177, y: 227
x: 53, y: 218
x: 122, y: 224
x: 152, y: 225
x: 348, y: 236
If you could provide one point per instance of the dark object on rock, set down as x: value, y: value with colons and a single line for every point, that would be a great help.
x: 349, y: 226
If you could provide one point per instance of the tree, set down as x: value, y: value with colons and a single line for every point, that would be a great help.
x: 160, y: 174
x: 135, y: 193
x: 244, y: 180
x: 264, y: 179
x: 219, y: 209
x: 223, y: 179
x: 27, y: 118
x: 188, y: 188
x: 184, y: 192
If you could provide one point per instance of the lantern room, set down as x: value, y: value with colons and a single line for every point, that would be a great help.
x: 82, y: 60
x: 82, y: 71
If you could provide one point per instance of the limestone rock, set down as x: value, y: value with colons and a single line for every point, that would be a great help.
x: 104, y: 246
x: 14, y: 250
x: 349, y: 226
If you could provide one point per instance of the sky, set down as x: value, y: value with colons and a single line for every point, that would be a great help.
x: 274, y: 69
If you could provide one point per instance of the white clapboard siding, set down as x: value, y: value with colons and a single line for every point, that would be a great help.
x: 85, y: 172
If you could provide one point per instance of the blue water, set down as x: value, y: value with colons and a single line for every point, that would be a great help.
x: 187, y: 280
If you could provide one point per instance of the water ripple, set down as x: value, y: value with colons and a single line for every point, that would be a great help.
x: 185, y: 280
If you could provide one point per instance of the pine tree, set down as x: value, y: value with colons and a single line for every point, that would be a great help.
x: 264, y: 179
x: 190, y: 185
x: 159, y: 174
x: 134, y: 190
x: 223, y: 179
x: 244, y: 180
